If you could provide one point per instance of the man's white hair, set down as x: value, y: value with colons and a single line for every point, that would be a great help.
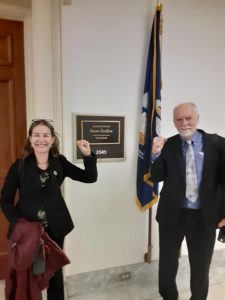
x: 194, y: 106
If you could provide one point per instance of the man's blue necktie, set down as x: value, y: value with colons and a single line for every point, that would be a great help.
x: 191, y: 178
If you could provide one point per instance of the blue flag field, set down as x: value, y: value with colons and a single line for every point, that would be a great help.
x: 150, y: 118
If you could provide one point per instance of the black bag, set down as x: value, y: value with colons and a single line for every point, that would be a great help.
x: 38, y: 266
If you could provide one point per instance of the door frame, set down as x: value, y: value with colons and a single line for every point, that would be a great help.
x: 24, y: 14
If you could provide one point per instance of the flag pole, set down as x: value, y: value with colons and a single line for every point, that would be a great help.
x: 148, y: 255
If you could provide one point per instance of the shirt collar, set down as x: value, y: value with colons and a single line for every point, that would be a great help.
x: 195, y: 138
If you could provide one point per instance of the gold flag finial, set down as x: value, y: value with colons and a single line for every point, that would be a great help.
x: 159, y: 5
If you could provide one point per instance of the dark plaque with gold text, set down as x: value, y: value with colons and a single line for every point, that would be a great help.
x: 104, y: 133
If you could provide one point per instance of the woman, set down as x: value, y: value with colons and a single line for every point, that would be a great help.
x: 38, y: 177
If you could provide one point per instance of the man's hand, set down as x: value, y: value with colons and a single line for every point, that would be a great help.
x: 158, y: 143
x: 84, y: 147
x: 221, y: 223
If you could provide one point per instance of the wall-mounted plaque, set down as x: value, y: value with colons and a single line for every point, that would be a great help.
x: 104, y: 133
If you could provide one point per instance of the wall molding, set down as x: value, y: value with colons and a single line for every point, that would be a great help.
x: 57, y: 68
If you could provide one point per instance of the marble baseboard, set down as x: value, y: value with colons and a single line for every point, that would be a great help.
x: 142, y: 274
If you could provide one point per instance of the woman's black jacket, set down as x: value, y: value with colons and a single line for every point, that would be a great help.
x: 24, y: 178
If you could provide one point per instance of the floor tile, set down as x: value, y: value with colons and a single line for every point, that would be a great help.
x: 137, y: 291
x: 216, y: 292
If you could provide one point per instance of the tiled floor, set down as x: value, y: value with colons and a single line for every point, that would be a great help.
x: 145, y: 286
x: 102, y: 285
x: 136, y: 292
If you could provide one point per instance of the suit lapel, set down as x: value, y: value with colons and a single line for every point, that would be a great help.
x: 32, y: 171
x: 178, y: 154
x: 206, y: 150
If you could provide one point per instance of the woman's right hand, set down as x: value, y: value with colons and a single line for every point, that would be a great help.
x: 84, y: 147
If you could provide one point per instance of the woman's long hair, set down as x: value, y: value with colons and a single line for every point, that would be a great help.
x: 54, y: 150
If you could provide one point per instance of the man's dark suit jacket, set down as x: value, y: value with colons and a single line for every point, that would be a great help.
x: 169, y: 167
x: 32, y: 196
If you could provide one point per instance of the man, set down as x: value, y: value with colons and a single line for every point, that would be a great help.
x: 191, y: 200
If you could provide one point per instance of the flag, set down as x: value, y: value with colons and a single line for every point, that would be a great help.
x: 150, y: 118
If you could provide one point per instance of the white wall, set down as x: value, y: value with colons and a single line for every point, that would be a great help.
x: 103, y: 61
x: 194, y: 60
x: 104, y: 47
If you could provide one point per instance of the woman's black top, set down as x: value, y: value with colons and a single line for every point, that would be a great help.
x: 34, y: 195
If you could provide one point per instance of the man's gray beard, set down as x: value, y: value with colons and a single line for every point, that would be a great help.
x: 186, y: 133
